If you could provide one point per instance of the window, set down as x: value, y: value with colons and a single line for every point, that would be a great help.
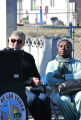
x: 52, y: 3
x: 35, y: 4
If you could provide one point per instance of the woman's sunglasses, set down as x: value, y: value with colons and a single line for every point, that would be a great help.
x: 19, y: 41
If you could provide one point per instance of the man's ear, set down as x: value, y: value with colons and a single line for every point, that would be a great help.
x: 23, y: 43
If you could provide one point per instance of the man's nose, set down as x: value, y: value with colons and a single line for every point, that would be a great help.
x: 15, y: 42
x: 63, y: 47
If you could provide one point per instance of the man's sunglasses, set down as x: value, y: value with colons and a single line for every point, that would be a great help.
x: 19, y: 41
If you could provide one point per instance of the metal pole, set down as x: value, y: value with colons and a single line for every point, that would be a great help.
x: 41, y: 12
x: 41, y: 3
x: 70, y: 30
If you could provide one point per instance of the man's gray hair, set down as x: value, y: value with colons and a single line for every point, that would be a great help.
x: 18, y: 33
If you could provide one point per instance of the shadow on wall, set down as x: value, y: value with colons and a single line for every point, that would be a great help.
x: 50, y: 52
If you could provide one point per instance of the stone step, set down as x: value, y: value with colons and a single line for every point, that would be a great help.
x: 53, y: 118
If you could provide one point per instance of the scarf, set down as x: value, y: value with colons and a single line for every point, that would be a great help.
x: 64, y: 65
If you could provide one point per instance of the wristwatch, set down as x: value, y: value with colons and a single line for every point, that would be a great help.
x: 63, y: 76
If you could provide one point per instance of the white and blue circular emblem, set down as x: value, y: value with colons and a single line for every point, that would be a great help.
x: 12, y: 107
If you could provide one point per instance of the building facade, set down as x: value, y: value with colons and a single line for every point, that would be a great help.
x: 30, y: 10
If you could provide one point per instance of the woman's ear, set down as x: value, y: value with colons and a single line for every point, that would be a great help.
x: 71, y: 49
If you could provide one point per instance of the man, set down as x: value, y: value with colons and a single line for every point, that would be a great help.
x: 65, y: 68
x: 38, y: 104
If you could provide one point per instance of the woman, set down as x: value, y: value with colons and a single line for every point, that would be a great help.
x: 62, y: 69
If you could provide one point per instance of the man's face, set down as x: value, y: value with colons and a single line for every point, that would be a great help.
x: 64, y: 49
x: 16, y: 43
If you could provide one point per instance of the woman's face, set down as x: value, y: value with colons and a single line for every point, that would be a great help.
x: 64, y: 49
x: 16, y: 43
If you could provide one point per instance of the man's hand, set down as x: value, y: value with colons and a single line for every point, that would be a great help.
x: 36, y: 81
x: 59, y: 76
